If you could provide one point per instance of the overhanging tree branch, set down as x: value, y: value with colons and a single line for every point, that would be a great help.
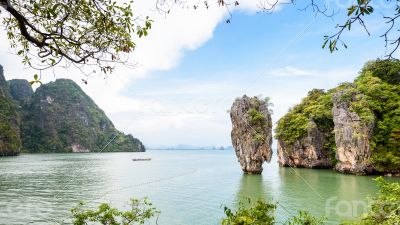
x: 87, y: 32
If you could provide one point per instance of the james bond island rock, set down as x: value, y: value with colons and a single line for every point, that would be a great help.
x: 60, y: 117
x: 10, y: 142
x: 352, y: 135
x: 251, y: 133
x: 304, y: 134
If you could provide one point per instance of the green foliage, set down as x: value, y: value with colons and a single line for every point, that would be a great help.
x: 304, y: 218
x: 262, y: 213
x: 140, y: 212
x: 94, y: 32
x: 316, y: 107
x: 256, y: 118
x: 374, y: 97
x: 385, y: 208
x: 259, y: 138
x: 20, y: 90
x: 60, y: 115
x: 10, y: 142
x: 379, y: 86
x: 386, y: 70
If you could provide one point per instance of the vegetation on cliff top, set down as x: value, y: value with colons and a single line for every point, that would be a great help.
x: 379, y: 83
x: 316, y: 107
x: 374, y: 96
x: 257, y: 120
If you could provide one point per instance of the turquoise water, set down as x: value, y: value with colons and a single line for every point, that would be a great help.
x: 189, y: 187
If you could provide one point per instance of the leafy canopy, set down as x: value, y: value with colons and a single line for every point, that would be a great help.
x: 96, y: 33
x: 316, y: 107
x: 379, y: 85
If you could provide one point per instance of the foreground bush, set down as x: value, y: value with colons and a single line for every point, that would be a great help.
x: 384, y: 210
x: 140, y: 212
x: 262, y: 213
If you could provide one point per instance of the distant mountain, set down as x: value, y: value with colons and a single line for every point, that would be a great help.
x: 60, y: 117
x: 57, y: 117
x: 189, y: 147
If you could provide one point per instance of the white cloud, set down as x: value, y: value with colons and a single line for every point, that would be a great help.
x: 289, y: 71
x: 188, y: 111
x: 293, y: 72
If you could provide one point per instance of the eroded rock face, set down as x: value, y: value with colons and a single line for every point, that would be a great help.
x: 251, y: 133
x: 308, y: 152
x: 352, y: 137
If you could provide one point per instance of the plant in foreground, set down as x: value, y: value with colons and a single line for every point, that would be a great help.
x: 140, y: 211
x: 384, y: 210
x: 263, y: 213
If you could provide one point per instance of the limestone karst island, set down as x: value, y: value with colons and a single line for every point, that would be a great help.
x: 225, y: 112
x: 352, y: 128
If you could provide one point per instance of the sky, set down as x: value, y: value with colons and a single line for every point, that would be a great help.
x: 193, y: 65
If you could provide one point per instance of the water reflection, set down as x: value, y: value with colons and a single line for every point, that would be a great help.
x: 45, y: 187
x: 251, y: 186
x: 189, y: 187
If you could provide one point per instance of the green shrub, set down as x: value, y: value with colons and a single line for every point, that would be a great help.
x: 140, y: 212
x: 379, y: 84
x: 262, y: 213
x: 316, y: 107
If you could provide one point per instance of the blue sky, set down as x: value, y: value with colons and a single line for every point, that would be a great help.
x: 193, y: 66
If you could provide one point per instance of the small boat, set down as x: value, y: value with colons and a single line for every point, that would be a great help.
x: 142, y: 159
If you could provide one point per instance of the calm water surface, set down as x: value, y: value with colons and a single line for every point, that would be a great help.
x: 189, y: 187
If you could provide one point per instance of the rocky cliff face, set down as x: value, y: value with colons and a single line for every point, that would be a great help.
x: 20, y: 89
x: 251, y: 133
x: 305, y: 133
x: 307, y: 152
x: 10, y: 142
x: 352, y: 137
x: 60, y: 117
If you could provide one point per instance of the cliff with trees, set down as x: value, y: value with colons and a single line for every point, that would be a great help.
x: 57, y: 117
x: 354, y: 128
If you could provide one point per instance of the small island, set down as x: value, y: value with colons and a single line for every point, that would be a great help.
x: 251, y: 133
